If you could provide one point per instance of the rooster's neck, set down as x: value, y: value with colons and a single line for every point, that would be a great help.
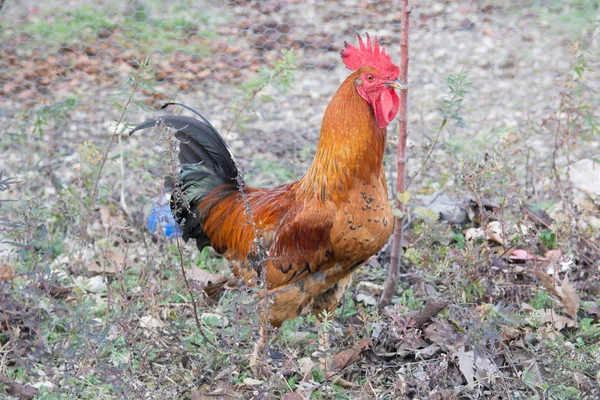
x: 350, y: 148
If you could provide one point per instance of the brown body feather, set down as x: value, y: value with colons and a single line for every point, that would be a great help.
x: 317, y: 230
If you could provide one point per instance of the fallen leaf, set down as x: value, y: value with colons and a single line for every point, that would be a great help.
x: 563, y: 290
x: 401, y: 384
x: 348, y: 357
x: 441, y: 333
x: 531, y: 372
x: 524, y: 360
x: 558, y: 322
x: 204, y: 277
x: 485, y: 369
x: 221, y: 392
x: 480, y: 367
x: 16, y: 389
x: 495, y: 232
x: 112, y: 262
x: 306, y: 365
x: 466, y: 364
x: 593, y: 309
x: 108, y: 220
x: 252, y: 382
x: 7, y: 273
x: 150, y: 322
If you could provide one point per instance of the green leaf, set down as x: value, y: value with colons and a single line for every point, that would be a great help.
x: 403, y: 197
x: 426, y: 213
x: 397, y: 213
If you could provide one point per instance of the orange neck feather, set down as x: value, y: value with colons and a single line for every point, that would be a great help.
x: 350, y: 148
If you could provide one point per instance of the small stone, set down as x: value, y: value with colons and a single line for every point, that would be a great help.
x: 366, y: 299
x: 96, y: 284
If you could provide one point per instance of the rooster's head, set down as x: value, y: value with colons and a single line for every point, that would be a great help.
x: 378, y: 77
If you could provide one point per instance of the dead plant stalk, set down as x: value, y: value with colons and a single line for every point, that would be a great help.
x: 396, y: 256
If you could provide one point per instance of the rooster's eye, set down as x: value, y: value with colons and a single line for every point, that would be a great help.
x: 370, y: 78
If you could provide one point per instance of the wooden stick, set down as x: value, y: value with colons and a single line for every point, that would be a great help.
x: 396, y: 256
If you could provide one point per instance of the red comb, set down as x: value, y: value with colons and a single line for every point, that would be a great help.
x: 370, y: 55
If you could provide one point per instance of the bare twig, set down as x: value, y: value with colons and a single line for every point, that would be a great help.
x: 122, y: 167
x: 105, y: 157
x: 433, y: 146
x: 193, y: 299
x: 396, y: 256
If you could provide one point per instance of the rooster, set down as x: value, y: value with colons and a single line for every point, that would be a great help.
x: 315, y: 232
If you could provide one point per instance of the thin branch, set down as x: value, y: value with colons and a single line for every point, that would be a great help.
x: 433, y: 146
x: 396, y: 256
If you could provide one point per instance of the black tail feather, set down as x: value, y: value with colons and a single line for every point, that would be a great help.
x: 206, y: 163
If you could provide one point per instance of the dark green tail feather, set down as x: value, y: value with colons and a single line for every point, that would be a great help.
x: 206, y: 163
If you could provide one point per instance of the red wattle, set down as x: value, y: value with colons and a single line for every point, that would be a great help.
x: 386, y: 107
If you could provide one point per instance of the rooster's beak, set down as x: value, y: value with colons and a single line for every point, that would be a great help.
x: 397, y: 84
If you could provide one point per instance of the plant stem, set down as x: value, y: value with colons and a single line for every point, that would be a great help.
x: 396, y: 256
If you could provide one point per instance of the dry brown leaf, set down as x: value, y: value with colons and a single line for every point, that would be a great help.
x: 114, y: 262
x: 440, y: 333
x: 306, y: 365
x: 495, y: 232
x: 204, y: 277
x: 348, y: 357
x: 485, y: 369
x: 563, y: 290
x: 549, y: 316
x: 569, y: 297
x: 480, y: 367
x: 7, y: 273
x: 466, y: 364
x: 401, y: 383
x: 294, y: 396
x: 524, y: 359
x: 16, y: 389
x: 211, y: 283
x: 108, y: 220
x: 559, y: 322
x: 531, y: 372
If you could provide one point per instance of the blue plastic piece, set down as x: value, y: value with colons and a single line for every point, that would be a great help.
x: 161, y: 221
